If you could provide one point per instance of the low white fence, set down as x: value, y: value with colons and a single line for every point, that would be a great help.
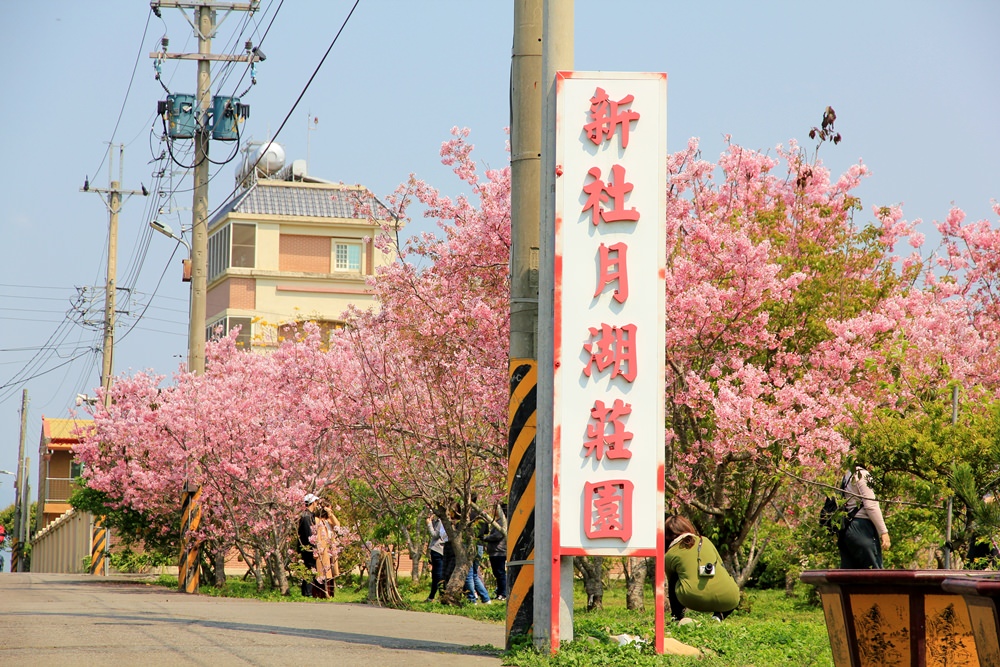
x: 63, y: 545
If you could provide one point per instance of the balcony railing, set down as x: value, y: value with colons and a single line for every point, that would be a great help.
x: 58, y: 489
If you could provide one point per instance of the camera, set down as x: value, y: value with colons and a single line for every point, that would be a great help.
x: 706, y: 570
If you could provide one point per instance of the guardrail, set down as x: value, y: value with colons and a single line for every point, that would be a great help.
x: 63, y: 545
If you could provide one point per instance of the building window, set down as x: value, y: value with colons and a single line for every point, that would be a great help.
x: 228, y: 324
x: 218, y: 252
x: 233, y: 245
x: 347, y: 257
x: 244, y: 245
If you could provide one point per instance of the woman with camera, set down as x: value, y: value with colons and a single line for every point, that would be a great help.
x: 696, y: 578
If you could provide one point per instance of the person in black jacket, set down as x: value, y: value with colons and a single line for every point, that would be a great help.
x: 496, y: 549
x: 307, y: 522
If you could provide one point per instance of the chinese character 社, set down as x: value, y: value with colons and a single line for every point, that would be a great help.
x: 614, y: 190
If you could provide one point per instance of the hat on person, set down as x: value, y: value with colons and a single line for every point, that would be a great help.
x: 310, y: 498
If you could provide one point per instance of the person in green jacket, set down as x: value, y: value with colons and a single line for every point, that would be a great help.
x: 696, y: 577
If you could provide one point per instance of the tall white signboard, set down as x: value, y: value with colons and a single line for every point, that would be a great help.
x: 608, y: 431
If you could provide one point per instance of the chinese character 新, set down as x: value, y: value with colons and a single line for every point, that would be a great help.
x: 607, y: 509
x: 612, y: 346
x: 614, y: 190
x: 608, y: 115
x: 600, y: 441
x: 613, y: 267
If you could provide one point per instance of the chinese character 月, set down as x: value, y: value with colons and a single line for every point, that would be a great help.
x: 613, y: 265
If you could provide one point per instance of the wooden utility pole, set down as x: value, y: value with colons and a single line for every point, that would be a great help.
x: 204, y: 26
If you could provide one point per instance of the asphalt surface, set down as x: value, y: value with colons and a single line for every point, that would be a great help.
x: 69, y: 620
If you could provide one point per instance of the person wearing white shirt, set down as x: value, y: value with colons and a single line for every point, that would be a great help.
x: 865, y: 536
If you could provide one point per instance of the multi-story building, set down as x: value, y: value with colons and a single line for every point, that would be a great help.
x: 290, y: 248
x: 57, y: 468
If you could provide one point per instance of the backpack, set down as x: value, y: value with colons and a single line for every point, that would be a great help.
x: 832, y: 513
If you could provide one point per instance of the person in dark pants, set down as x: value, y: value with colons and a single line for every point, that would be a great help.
x: 307, y: 522
x: 439, y: 540
x: 865, y: 536
x: 496, y: 551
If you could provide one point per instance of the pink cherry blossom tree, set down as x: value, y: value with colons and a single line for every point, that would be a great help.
x: 254, y: 432
x: 764, y: 261
x: 431, y: 363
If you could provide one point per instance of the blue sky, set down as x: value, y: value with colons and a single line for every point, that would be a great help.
x: 913, y: 84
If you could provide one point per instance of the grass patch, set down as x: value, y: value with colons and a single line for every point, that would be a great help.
x: 768, y: 630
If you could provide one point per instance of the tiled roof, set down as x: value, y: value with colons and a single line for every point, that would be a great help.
x: 63, y: 430
x: 303, y: 201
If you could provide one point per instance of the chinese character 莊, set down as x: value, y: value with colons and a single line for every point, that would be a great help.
x: 599, y: 441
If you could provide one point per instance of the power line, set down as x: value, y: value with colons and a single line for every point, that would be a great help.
x: 128, y: 89
x: 296, y: 104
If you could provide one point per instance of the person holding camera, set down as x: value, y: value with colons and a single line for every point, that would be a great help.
x: 696, y: 578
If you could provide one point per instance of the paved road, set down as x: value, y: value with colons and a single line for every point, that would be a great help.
x: 68, y: 620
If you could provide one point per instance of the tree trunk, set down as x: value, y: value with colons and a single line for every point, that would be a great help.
x: 279, y: 574
x: 220, y: 567
x: 453, y: 588
x: 592, y: 569
x: 635, y: 582
x: 791, y: 576
x: 415, y: 551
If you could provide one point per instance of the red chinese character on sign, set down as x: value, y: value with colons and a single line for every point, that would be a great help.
x: 612, y: 346
x: 612, y: 268
x: 600, y: 440
x: 607, y: 511
x: 609, y: 115
x: 614, y: 190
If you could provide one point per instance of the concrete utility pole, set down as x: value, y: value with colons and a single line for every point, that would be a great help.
x: 204, y: 27
x: 557, y: 54
x: 525, y: 161
x: 20, y: 495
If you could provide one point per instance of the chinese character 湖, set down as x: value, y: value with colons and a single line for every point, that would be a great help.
x: 612, y: 346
